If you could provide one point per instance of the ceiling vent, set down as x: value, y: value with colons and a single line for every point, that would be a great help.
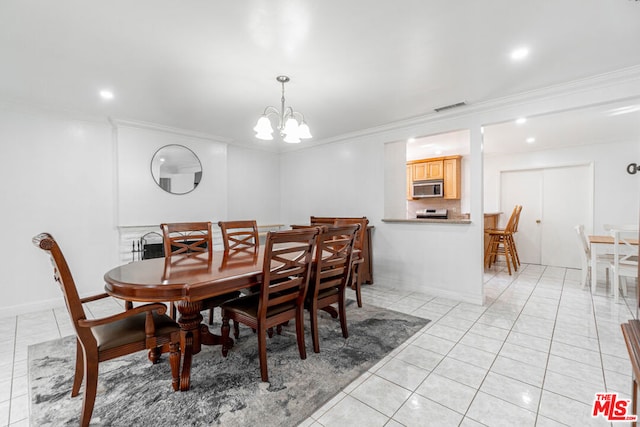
x: 449, y: 107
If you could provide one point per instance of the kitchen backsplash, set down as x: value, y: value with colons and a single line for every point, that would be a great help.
x: 453, y: 207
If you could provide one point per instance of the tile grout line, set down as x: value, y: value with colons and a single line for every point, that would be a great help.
x: 502, y: 346
x: 546, y: 367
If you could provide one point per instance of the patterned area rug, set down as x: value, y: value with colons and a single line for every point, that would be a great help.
x: 224, y: 391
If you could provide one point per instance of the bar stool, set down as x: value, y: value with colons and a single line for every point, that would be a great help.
x: 501, y: 242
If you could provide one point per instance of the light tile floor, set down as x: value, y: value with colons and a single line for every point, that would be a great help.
x: 534, y: 354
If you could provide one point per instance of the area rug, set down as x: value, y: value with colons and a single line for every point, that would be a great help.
x: 224, y: 391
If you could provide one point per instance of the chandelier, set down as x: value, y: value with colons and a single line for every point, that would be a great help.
x: 290, y: 129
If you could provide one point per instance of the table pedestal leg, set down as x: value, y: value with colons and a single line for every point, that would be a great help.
x: 189, y: 321
x: 193, y: 334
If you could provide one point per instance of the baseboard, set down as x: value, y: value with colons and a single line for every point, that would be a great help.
x: 31, y: 307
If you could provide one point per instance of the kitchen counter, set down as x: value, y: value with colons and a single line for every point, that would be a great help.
x: 427, y: 221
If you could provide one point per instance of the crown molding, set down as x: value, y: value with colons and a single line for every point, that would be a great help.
x: 592, y: 83
x: 117, y: 123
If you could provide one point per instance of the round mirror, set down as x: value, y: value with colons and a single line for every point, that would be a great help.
x: 176, y: 169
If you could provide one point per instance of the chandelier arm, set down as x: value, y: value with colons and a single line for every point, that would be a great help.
x: 271, y: 110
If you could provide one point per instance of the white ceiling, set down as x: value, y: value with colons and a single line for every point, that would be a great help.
x: 600, y: 124
x: 211, y: 66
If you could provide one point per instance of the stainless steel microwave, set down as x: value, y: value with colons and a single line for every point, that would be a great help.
x: 431, y: 188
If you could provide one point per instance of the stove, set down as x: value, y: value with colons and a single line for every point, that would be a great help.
x: 432, y: 213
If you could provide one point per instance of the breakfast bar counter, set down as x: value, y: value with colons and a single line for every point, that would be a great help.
x: 427, y: 221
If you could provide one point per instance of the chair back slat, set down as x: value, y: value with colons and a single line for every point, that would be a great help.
x: 334, y: 253
x: 624, y: 252
x: 239, y: 234
x: 583, y: 243
x: 187, y: 237
x: 516, y: 220
x: 513, y: 218
x: 287, y: 267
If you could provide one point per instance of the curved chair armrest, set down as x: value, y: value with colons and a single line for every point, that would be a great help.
x: 159, y: 307
x: 93, y: 298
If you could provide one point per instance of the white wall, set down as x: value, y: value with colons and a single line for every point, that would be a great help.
x: 142, y: 202
x: 57, y: 177
x: 253, y: 185
x: 616, y: 193
x: 333, y: 180
x: 80, y: 180
x: 348, y: 179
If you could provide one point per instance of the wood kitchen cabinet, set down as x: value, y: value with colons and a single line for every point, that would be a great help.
x: 427, y: 170
x: 452, y: 178
x: 444, y: 168
x: 409, y: 182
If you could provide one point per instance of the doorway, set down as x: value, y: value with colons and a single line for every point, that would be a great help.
x: 554, y: 200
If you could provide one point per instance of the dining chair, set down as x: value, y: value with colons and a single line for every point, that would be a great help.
x: 625, y: 256
x: 516, y: 222
x: 330, y: 275
x: 358, y: 258
x: 285, y: 277
x: 631, y: 334
x: 239, y: 234
x: 145, y: 327
x: 585, y: 257
x: 501, y: 242
x: 192, y: 238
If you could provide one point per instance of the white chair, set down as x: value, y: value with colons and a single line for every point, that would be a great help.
x: 625, y: 258
x: 585, y: 251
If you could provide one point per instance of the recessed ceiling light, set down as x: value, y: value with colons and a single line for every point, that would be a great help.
x: 519, y: 54
x: 106, y: 94
x: 531, y: 140
x: 521, y: 120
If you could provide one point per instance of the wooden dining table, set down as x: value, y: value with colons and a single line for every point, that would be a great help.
x: 187, y: 280
x: 596, y: 242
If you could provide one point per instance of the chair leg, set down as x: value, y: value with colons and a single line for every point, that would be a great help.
x: 224, y: 331
x: 90, y: 388
x: 508, y: 251
x: 358, y: 284
x: 489, y: 257
x: 154, y: 354
x: 236, y: 329
x: 634, y: 398
x: 211, y: 316
x: 77, y: 378
x: 343, y: 317
x: 506, y: 255
x: 300, y: 332
x: 262, y: 352
x: 174, y: 361
x: 313, y: 317
x: 173, y: 312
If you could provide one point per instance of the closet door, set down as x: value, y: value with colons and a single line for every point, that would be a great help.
x: 554, y: 201
x: 524, y: 188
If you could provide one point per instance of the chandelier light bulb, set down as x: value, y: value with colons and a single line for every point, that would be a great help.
x: 291, y: 138
x: 291, y: 126
x: 263, y: 125
x: 264, y: 136
x: 303, y: 131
